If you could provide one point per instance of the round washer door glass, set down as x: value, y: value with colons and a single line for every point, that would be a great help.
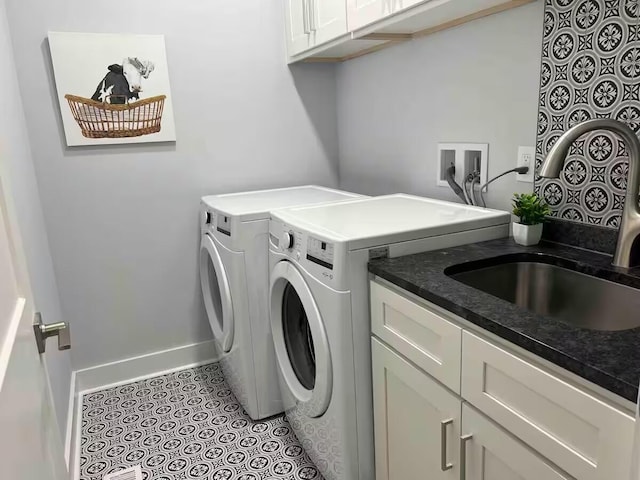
x: 216, y: 292
x: 300, y: 340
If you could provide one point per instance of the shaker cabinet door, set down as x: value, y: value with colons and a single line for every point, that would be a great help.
x: 298, y: 26
x: 364, y: 12
x: 417, y: 421
x: 489, y: 453
x: 328, y: 20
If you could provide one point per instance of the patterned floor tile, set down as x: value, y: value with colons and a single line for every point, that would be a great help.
x: 186, y: 425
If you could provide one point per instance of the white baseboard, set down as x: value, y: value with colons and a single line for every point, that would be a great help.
x: 70, y: 419
x: 122, y: 372
x: 137, y: 368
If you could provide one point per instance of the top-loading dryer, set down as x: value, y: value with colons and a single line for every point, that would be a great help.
x: 319, y: 305
x: 235, y: 283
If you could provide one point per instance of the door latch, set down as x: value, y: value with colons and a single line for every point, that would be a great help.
x: 43, y: 331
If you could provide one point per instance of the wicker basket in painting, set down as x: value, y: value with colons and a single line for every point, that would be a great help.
x: 105, y: 120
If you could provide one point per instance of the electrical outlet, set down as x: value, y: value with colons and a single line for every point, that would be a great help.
x: 526, y: 158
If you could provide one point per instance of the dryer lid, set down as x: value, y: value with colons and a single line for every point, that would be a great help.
x: 257, y: 205
x: 371, y: 222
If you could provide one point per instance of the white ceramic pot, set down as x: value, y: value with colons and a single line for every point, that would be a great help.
x: 527, y: 235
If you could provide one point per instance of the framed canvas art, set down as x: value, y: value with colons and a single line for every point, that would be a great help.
x: 112, y: 88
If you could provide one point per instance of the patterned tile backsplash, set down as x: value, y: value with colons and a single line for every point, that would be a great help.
x: 590, y: 69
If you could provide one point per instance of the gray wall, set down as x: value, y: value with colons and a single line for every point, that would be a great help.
x: 122, y: 221
x: 16, y: 163
x: 475, y: 83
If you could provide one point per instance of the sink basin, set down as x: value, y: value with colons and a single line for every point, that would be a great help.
x: 547, y: 289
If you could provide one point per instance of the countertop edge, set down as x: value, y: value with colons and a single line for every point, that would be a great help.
x: 587, y: 372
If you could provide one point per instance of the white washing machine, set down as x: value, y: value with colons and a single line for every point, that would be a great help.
x: 235, y: 283
x: 319, y: 304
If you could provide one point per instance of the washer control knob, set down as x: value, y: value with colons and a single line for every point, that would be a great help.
x: 288, y: 240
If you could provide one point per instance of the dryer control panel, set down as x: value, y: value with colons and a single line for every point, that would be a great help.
x: 207, y: 218
x: 320, y: 252
x: 321, y: 257
x: 223, y: 224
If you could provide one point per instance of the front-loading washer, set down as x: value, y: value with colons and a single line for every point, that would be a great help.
x: 319, y: 304
x: 234, y: 276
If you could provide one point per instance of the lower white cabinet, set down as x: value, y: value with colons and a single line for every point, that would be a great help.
x: 420, y: 434
x: 423, y: 336
x: 513, y: 418
x: 417, y: 421
x: 489, y: 453
x: 574, y: 429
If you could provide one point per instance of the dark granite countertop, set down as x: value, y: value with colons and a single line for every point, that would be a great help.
x: 610, y: 359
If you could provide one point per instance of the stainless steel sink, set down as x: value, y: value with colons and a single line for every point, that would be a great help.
x: 573, y: 297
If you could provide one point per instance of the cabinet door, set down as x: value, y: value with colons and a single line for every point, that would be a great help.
x: 298, y: 27
x: 364, y: 12
x: 426, y: 338
x: 328, y: 20
x: 399, y: 5
x: 490, y: 453
x: 581, y: 434
x: 417, y: 421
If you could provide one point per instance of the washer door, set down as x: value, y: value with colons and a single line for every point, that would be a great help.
x: 300, y: 340
x: 216, y: 292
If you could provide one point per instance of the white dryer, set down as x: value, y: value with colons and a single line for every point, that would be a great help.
x: 320, y: 310
x: 235, y: 284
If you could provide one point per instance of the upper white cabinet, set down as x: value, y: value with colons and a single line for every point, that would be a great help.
x: 328, y: 19
x: 399, y: 5
x: 297, y: 25
x: 365, y: 12
x: 338, y: 30
x: 310, y: 23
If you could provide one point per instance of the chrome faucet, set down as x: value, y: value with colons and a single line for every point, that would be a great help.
x: 630, y: 224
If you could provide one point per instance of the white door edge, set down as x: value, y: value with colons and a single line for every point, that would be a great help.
x: 9, y: 340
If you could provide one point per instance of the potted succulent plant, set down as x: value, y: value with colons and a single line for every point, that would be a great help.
x: 531, y: 210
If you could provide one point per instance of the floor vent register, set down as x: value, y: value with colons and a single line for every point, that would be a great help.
x: 133, y: 473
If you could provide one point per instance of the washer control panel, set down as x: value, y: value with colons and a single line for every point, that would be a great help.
x: 207, y: 219
x: 320, y: 252
x: 224, y: 224
x: 288, y: 240
x: 321, y: 258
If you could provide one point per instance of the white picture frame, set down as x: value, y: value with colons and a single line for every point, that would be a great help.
x: 112, y: 88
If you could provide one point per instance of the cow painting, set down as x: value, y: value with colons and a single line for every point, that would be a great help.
x: 123, y: 83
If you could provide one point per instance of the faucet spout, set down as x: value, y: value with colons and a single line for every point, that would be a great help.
x: 630, y: 222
